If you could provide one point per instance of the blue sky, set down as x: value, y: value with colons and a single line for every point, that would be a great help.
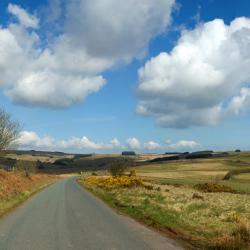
x: 87, y: 121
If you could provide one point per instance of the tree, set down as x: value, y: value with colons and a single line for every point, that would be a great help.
x: 28, y: 167
x: 118, y: 167
x: 9, y: 130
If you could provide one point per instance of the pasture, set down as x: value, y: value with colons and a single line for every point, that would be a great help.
x: 204, y: 203
x: 191, y: 172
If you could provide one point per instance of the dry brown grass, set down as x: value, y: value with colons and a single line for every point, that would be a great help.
x: 185, y: 174
x: 146, y: 157
x: 204, y: 220
x: 12, y: 184
x: 27, y: 157
x: 245, y: 177
x: 239, y: 239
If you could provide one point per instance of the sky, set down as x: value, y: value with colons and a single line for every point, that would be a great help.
x: 106, y: 76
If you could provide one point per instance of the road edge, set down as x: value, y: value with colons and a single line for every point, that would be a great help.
x: 24, y: 199
x: 166, y: 233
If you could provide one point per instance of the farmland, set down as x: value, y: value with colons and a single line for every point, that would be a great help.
x: 203, y: 203
x: 190, y: 172
x: 170, y: 199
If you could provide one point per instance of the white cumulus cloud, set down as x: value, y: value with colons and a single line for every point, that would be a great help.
x: 63, y: 69
x: 117, y: 29
x: 30, y: 139
x: 25, y: 19
x: 183, y: 144
x: 151, y: 145
x: 202, y: 80
x: 115, y: 143
x: 133, y: 143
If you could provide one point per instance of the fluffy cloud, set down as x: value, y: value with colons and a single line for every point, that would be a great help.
x: 115, y: 143
x: 57, y: 76
x: 240, y: 102
x: 202, y: 80
x: 50, y: 89
x: 117, y: 29
x: 25, y: 19
x: 64, y: 69
x: 182, y: 144
x: 151, y: 145
x: 29, y: 139
x: 133, y: 143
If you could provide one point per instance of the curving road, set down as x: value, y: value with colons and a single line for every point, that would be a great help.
x: 64, y: 216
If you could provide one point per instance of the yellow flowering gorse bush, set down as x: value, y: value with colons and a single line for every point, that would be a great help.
x: 215, y: 220
x: 114, y: 182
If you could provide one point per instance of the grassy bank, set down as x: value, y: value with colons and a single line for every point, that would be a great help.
x: 16, y: 188
x: 201, y: 220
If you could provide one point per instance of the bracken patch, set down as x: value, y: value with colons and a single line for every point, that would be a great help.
x: 14, y: 183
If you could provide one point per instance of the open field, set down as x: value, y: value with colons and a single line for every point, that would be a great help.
x: 43, y: 158
x: 190, y: 172
x: 138, y: 157
x: 166, y: 196
x: 199, y: 220
x: 242, y: 177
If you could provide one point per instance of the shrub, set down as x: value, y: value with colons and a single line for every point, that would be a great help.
x: 237, y: 240
x: 128, y: 153
x: 114, y: 182
x: 28, y: 167
x: 149, y: 187
x: 168, y: 158
x: 227, y: 176
x: 199, y: 155
x: 7, y: 163
x: 213, y: 188
x: 197, y: 196
x: 40, y: 165
x: 243, y: 230
x: 64, y: 162
x: 132, y: 173
x: 94, y: 174
x: 118, y: 168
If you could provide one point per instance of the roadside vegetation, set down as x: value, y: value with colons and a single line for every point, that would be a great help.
x: 15, y: 187
x: 188, y: 200
x: 18, y: 178
x: 201, y: 198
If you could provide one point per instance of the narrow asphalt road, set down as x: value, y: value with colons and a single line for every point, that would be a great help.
x: 64, y: 216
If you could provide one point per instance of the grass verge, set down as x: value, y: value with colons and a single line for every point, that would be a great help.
x: 201, y: 220
x: 15, y: 188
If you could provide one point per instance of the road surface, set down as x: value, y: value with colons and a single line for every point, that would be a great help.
x: 64, y: 216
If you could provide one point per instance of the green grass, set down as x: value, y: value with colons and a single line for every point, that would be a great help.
x: 201, y: 220
x: 191, y: 172
x: 174, y: 210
